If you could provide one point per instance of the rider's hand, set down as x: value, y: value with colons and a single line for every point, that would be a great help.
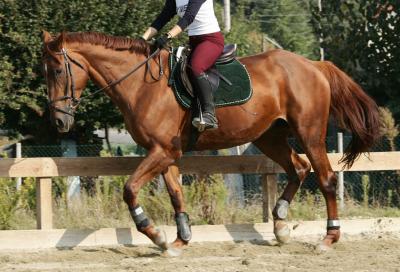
x: 162, y: 41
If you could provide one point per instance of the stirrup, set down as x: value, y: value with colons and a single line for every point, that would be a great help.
x: 205, y: 121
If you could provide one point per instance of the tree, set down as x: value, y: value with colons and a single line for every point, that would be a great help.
x: 362, y: 37
x: 285, y: 21
x: 23, y: 108
x: 245, y: 33
x: 22, y: 91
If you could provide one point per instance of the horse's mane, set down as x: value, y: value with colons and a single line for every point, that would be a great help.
x: 112, y: 42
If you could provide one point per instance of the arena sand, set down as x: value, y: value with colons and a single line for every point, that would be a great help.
x: 380, y: 252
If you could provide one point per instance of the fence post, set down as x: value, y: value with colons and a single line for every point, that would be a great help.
x: 269, y: 189
x: 18, y: 154
x: 44, y: 210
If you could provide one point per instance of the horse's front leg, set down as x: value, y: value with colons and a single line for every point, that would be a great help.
x: 184, y: 234
x: 156, y: 161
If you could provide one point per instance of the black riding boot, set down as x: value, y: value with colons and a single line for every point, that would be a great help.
x: 204, y: 93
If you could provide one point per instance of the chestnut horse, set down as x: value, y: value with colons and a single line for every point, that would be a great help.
x: 291, y: 95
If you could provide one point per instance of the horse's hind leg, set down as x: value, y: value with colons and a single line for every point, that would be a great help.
x: 312, y: 138
x: 274, y: 144
x: 184, y: 234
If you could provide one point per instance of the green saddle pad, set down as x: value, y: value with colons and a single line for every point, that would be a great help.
x: 226, y: 95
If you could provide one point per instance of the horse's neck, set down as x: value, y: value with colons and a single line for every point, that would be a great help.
x: 140, y: 98
x: 108, y: 65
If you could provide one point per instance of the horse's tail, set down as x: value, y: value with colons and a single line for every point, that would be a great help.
x: 353, y: 110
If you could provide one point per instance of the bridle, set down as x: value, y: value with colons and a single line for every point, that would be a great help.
x: 70, y: 82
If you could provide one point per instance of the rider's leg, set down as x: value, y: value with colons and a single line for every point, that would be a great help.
x: 205, y: 51
x: 204, y: 93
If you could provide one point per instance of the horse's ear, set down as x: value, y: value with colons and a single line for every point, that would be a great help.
x: 46, y: 36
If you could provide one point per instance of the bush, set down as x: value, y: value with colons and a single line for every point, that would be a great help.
x: 9, y: 198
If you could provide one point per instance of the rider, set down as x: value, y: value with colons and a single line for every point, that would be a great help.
x: 206, y: 41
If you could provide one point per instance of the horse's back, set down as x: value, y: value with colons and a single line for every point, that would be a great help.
x: 301, y: 84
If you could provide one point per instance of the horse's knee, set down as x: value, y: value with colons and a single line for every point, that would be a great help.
x: 130, y: 193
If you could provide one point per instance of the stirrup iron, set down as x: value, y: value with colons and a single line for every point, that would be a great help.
x: 199, y: 122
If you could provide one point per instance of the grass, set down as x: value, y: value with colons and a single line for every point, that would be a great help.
x: 206, y: 203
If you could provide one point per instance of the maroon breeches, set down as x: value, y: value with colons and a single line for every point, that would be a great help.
x: 205, y: 51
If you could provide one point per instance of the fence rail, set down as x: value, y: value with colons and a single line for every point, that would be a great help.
x: 46, y: 168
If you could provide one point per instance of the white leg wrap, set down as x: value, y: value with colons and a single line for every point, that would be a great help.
x: 333, y: 223
x: 281, y: 208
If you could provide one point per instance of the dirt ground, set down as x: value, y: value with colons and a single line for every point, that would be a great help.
x: 361, y: 253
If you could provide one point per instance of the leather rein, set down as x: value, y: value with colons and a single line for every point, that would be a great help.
x: 70, y: 85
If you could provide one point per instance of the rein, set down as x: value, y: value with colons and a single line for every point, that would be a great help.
x: 74, y: 101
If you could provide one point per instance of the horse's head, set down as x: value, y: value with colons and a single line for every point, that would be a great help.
x: 66, y: 76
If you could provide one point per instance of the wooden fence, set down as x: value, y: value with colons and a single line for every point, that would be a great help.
x: 46, y: 168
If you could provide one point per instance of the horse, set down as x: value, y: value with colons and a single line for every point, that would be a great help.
x: 292, y: 95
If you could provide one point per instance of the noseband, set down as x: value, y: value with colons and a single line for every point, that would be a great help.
x: 74, y: 101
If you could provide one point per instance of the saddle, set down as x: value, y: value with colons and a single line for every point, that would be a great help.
x: 229, y: 78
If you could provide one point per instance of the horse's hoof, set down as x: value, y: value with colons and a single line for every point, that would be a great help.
x: 161, y: 239
x: 322, y: 248
x: 281, y: 231
x: 271, y: 242
x: 174, y: 251
x: 178, y: 243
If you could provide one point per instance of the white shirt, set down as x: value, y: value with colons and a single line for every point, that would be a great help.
x: 205, y: 21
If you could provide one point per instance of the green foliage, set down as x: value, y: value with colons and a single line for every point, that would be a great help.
x: 285, y: 21
x: 362, y: 37
x: 207, y: 197
x: 22, y: 100
x: 23, y: 108
x: 9, y: 198
x: 288, y: 22
x: 244, y: 32
x: 365, y: 185
x: 389, y: 129
x: 17, y: 207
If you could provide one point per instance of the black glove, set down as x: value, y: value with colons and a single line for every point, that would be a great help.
x: 162, y: 41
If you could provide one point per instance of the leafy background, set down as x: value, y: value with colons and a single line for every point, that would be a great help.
x: 361, y: 37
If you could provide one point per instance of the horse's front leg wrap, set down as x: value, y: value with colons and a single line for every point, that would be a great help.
x: 281, y: 209
x: 140, y: 219
x: 183, y: 226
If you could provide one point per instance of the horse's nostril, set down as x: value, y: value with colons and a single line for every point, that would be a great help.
x: 59, y: 123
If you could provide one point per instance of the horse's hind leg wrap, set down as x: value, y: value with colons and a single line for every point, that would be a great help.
x: 140, y: 219
x: 333, y: 224
x: 182, y: 223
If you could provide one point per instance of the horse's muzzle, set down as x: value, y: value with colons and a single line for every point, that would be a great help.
x: 62, y: 122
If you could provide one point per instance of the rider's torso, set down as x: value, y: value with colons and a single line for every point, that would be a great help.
x: 205, y: 21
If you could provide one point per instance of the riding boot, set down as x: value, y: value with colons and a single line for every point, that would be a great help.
x: 204, y: 93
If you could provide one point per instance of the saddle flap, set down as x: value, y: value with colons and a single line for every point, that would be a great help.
x: 213, y: 78
x: 231, y: 80
x: 184, y: 74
